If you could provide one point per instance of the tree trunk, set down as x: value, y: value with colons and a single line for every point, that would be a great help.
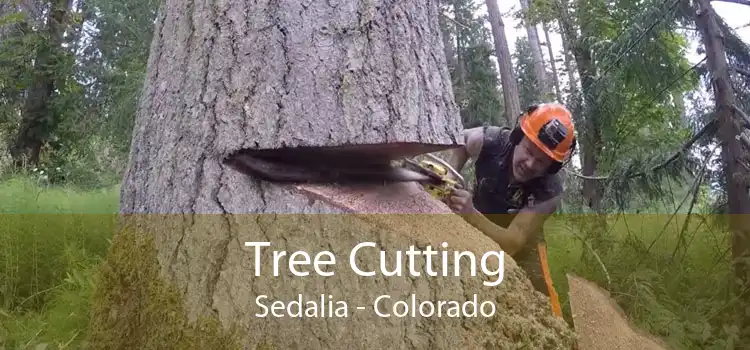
x: 508, y: 81
x: 447, y: 41
x: 569, y: 68
x: 540, y: 72
x: 555, y: 80
x: 679, y: 103
x: 460, y: 64
x: 590, y: 140
x: 732, y: 154
x: 232, y: 76
x: 37, y: 117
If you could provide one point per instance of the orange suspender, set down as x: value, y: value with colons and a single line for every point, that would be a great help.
x: 542, y: 247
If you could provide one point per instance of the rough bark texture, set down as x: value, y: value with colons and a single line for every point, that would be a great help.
x: 228, y: 75
x: 460, y: 71
x: 590, y: 137
x: 507, y: 79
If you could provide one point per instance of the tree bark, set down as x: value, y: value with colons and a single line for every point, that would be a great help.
x: 732, y: 154
x: 508, y: 80
x: 536, y: 56
x: 230, y: 76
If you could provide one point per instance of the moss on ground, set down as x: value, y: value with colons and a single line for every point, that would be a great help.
x: 133, y: 307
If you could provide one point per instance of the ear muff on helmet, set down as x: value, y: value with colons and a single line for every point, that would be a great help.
x: 556, y: 166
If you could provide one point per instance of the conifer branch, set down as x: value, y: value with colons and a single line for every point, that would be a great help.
x: 708, y: 128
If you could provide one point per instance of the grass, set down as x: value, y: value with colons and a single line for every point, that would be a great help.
x: 51, y: 240
x: 678, y: 289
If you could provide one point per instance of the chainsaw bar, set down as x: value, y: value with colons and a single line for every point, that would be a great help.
x: 325, y: 171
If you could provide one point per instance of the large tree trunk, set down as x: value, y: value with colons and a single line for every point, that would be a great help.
x: 540, y: 72
x: 732, y: 154
x: 507, y: 79
x: 227, y: 76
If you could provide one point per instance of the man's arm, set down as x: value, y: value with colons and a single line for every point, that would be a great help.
x: 473, y: 141
x: 526, y: 223
x: 530, y: 219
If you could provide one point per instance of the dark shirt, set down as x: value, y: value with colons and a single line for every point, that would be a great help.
x: 494, y: 195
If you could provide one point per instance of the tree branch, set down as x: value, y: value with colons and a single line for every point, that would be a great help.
x: 745, y: 118
x: 453, y: 20
x: 706, y: 129
x: 741, y: 71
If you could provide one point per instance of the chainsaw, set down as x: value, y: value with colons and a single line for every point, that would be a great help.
x: 445, y: 179
x: 324, y: 165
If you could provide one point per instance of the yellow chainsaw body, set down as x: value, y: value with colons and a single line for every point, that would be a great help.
x: 447, y: 185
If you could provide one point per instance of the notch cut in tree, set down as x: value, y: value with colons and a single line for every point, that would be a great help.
x: 229, y: 76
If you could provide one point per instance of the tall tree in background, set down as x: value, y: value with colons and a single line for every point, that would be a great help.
x: 38, y: 116
x: 502, y: 53
x: 535, y: 48
x: 553, y: 63
x: 735, y: 143
x: 474, y: 76
x: 528, y: 87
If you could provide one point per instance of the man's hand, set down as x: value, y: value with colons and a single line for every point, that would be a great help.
x: 460, y: 201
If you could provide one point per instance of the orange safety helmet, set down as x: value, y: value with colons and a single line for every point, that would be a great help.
x: 550, y: 127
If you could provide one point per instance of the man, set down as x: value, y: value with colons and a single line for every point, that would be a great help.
x: 517, y: 185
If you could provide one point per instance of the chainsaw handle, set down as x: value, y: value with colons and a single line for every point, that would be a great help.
x: 453, y: 171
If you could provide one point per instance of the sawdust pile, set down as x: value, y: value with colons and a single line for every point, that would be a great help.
x: 600, y: 323
x: 524, y: 318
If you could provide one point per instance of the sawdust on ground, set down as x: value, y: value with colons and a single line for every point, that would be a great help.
x: 600, y: 323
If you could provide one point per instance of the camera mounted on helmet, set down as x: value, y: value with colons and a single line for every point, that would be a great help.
x: 550, y: 127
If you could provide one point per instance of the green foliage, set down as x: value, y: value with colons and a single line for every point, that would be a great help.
x: 483, y: 105
x: 117, y: 61
x: 97, y: 86
x: 17, y: 51
x: 670, y: 278
x: 528, y: 88
x: 51, y: 241
x: 475, y: 79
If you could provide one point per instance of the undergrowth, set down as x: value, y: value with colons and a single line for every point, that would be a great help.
x: 670, y: 281
x: 53, y: 238
x: 51, y: 241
